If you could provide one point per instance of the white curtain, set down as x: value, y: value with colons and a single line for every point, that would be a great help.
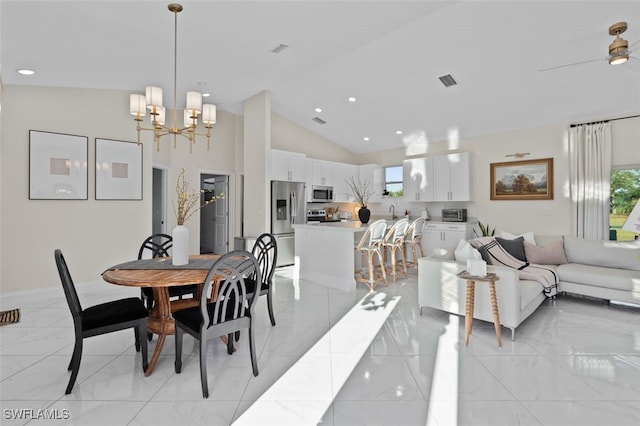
x: 590, y: 176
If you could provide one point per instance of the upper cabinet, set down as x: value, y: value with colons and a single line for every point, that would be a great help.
x: 417, y: 177
x: 287, y: 165
x: 341, y: 173
x: 438, y: 178
x: 452, y: 177
x: 321, y: 173
x: 373, y: 174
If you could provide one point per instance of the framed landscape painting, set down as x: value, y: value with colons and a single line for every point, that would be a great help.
x: 522, y: 180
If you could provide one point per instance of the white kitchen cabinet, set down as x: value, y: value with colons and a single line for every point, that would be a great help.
x: 321, y: 173
x: 444, y: 235
x: 417, y: 177
x: 452, y: 177
x: 373, y: 174
x: 341, y: 190
x: 290, y: 166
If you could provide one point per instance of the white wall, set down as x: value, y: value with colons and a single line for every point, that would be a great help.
x: 257, y: 142
x: 288, y: 136
x: 541, y: 216
x: 92, y: 234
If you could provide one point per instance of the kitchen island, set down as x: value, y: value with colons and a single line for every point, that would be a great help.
x: 326, y: 252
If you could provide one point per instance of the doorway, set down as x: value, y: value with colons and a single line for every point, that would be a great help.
x: 214, y: 220
x: 159, y: 206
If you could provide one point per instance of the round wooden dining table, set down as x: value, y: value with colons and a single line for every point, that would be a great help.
x: 160, y: 320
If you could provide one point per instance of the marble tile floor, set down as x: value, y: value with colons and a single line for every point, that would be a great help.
x: 575, y: 361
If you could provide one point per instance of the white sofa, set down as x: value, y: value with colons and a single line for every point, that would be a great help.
x: 439, y: 287
x: 603, y: 269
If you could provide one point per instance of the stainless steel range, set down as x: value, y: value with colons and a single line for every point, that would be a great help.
x: 319, y: 215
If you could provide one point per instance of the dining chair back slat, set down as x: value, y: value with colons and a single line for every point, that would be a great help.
x: 223, y: 310
x: 265, y: 249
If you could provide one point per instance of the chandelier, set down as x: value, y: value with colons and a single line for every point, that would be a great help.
x: 152, y: 101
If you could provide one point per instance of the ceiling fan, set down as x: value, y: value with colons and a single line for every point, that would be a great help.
x: 619, y: 49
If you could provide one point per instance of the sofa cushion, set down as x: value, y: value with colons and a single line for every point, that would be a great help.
x: 608, y: 254
x: 528, y: 236
x: 598, y: 276
x: 547, y: 240
x: 514, y: 247
x: 553, y: 254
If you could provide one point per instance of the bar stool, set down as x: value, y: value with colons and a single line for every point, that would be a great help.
x: 413, y: 237
x: 369, y: 246
x: 394, y: 241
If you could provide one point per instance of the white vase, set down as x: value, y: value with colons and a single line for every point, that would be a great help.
x: 180, y: 250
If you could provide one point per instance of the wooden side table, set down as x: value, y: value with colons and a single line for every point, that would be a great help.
x: 468, y: 318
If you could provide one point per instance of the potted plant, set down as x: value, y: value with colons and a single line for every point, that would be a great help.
x: 187, y: 203
x: 362, y: 194
x: 485, y: 230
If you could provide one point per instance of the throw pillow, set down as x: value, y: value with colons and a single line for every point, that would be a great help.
x: 465, y: 251
x: 553, y: 254
x: 514, y: 247
x: 528, y: 236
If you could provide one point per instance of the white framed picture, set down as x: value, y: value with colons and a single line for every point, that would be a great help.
x: 118, y: 170
x: 57, y: 166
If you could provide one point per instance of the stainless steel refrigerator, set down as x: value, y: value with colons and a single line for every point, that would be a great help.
x: 288, y: 207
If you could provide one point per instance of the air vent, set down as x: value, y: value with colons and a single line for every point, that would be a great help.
x: 448, y: 80
x: 319, y: 120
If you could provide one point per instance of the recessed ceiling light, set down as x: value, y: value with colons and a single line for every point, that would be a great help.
x: 318, y: 109
x: 366, y: 139
x: 351, y: 99
x: 398, y: 132
x: 25, y: 71
x: 206, y: 95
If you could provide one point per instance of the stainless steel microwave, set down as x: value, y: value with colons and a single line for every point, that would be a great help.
x: 321, y: 194
x: 454, y: 215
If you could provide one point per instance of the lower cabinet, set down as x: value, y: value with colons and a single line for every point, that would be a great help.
x: 444, y: 236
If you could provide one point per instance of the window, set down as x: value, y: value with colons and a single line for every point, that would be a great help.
x: 625, y: 193
x: 393, y: 181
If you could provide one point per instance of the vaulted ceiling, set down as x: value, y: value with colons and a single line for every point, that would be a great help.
x: 387, y: 54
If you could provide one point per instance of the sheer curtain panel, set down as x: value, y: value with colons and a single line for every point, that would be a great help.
x: 590, y: 174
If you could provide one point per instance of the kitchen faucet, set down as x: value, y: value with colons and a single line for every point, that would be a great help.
x: 392, y: 209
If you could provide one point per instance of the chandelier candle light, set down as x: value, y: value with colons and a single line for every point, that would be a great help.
x: 152, y: 101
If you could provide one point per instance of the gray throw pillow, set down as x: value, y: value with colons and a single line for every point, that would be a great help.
x: 514, y: 247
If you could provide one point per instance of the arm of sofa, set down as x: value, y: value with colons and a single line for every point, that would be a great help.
x: 439, y: 287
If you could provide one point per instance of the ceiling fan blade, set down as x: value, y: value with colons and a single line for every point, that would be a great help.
x: 634, y: 44
x: 570, y: 65
x: 633, y: 64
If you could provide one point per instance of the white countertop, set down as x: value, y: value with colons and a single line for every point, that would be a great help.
x: 351, y: 226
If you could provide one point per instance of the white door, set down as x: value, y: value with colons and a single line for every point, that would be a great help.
x: 222, y: 216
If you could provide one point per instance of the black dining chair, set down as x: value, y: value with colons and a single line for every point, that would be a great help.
x: 100, y: 319
x: 231, y: 310
x: 265, y: 249
x: 158, y: 245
